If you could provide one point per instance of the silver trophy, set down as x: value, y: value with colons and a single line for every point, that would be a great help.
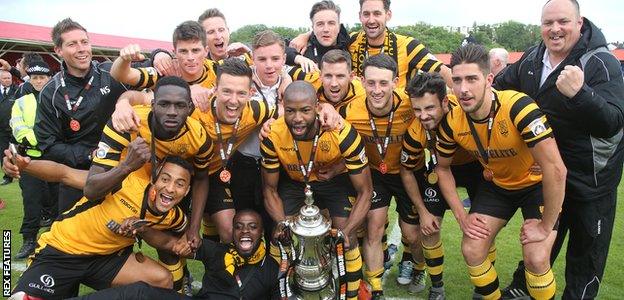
x: 315, y: 267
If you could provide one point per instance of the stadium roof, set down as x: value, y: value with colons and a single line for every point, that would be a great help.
x: 19, y: 38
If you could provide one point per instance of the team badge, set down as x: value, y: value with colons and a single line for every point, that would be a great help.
x: 102, y: 150
x: 502, y: 127
x: 537, y: 127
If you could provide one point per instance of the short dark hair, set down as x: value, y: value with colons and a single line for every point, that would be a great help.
x: 173, y: 80
x: 235, y: 67
x: 324, y: 5
x: 210, y: 13
x: 472, y: 54
x: 423, y: 83
x: 177, y: 160
x: 189, y: 31
x: 386, y: 4
x: 63, y: 26
x: 267, y: 38
x: 29, y: 57
x: 382, y: 61
x: 300, y: 88
x: 335, y: 56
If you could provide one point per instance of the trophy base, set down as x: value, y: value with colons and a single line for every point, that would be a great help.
x: 327, y: 293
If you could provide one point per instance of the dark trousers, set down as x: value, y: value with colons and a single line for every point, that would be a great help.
x: 5, y: 139
x: 246, y: 187
x: 590, y: 226
x: 67, y: 197
x: 37, y: 197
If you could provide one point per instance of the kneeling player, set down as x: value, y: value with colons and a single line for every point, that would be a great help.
x: 84, y: 245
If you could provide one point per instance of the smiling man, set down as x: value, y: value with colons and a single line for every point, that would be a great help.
x: 578, y: 83
x: 85, y: 246
x: 242, y: 269
x: 297, y: 148
x: 168, y: 130
x: 508, y: 133
x: 75, y: 105
x: 382, y: 119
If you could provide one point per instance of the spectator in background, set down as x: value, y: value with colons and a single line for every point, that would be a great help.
x: 7, y: 96
x: 499, y: 58
x: 36, y: 193
x: 74, y: 108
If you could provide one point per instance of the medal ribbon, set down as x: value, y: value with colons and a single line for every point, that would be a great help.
x: 473, y: 131
x: 80, y: 95
x: 431, y: 140
x: 382, y: 149
x: 225, y: 151
x: 306, y: 171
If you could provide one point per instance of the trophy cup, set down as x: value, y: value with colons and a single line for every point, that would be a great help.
x: 314, y: 266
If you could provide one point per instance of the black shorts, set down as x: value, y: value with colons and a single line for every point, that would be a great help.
x: 432, y: 196
x: 385, y: 186
x: 246, y: 182
x: 467, y: 176
x: 497, y: 202
x: 53, y: 274
x: 336, y: 195
x: 219, y: 195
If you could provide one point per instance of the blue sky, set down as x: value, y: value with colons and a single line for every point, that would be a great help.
x: 128, y: 18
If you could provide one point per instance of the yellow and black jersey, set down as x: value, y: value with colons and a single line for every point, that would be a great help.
x: 356, y: 93
x: 333, y: 146
x: 192, y: 143
x: 297, y: 73
x: 410, y: 55
x: 254, y: 114
x: 356, y: 113
x: 415, y: 142
x: 208, y: 79
x: 518, y: 124
x: 246, y: 57
x: 90, y: 227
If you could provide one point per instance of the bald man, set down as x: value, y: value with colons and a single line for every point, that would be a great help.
x: 578, y: 83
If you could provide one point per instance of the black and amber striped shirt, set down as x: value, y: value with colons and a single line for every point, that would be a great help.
x: 411, y: 56
x: 333, y: 146
x: 518, y: 125
x: 89, y: 228
x: 192, y: 143
x: 356, y: 113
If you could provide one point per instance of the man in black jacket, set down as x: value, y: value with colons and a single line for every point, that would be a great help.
x: 7, y: 97
x: 578, y: 83
x: 328, y: 34
x: 75, y: 105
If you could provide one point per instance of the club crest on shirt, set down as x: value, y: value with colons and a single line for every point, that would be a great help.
x: 182, y: 148
x: 502, y: 127
x: 325, y: 146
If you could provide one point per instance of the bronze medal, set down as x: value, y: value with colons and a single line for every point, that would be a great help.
x: 225, y: 176
x: 488, y: 174
x: 432, y: 178
x: 139, y: 257
x: 383, y: 168
x: 74, y: 125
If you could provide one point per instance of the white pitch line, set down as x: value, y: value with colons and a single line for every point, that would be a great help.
x: 18, y: 266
